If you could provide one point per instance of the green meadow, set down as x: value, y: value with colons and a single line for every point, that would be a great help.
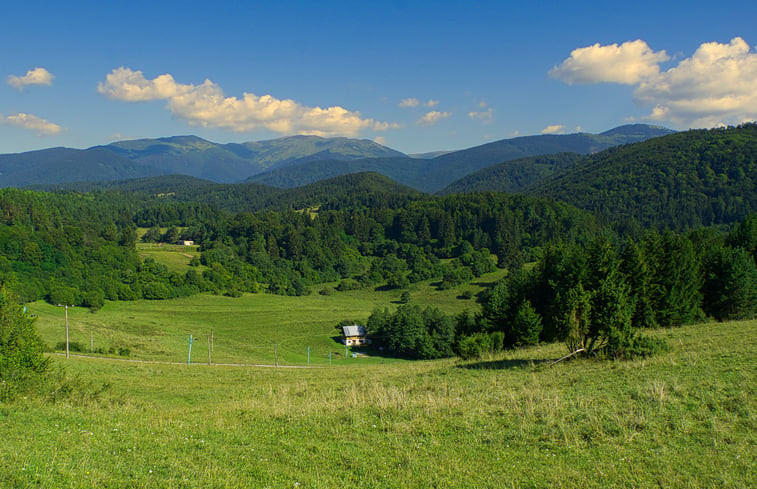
x: 252, y: 329
x: 687, y: 418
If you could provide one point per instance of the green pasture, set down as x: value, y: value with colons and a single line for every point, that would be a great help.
x: 252, y: 329
x: 687, y: 418
x: 175, y: 257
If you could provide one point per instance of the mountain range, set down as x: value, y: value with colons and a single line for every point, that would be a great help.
x: 291, y: 161
x: 678, y: 181
x: 181, y: 155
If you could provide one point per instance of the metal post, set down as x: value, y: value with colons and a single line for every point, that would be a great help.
x: 329, y: 358
x: 189, y: 355
x: 308, y: 355
x: 66, y: 331
x: 209, y: 362
x: 276, y: 353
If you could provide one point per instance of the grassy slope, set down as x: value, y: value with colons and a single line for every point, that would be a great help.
x: 687, y: 418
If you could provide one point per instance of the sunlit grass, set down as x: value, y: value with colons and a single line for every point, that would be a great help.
x: 687, y: 418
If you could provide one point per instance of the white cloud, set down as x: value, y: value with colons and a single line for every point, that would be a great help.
x: 206, y: 105
x: 380, y: 140
x: 553, y: 129
x: 409, y: 102
x: 432, y: 118
x: 715, y: 86
x: 37, y: 76
x: 485, y: 116
x: 628, y: 63
x: 414, y: 102
x: 32, y: 123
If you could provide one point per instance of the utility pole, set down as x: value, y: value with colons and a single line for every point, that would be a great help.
x: 66, y: 306
x: 189, y: 355
x: 308, y: 355
x: 276, y: 353
x: 209, y: 362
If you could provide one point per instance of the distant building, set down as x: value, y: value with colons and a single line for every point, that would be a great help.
x: 355, y: 335
x: 186, y: 242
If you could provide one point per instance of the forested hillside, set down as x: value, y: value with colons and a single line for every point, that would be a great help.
x: 681, y: 181
x: 513, y: 176
x: 166, y: 191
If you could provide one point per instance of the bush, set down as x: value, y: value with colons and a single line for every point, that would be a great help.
x: 348, y: 284
x: 479, y: 344
x: 72, y: 346
x: 21, y: 351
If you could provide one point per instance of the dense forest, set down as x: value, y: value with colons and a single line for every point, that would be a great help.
x: 596, y: 275
x: 80, y: 248
x: 681, y: 181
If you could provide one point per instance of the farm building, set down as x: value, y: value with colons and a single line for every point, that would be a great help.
x: 355, y: 335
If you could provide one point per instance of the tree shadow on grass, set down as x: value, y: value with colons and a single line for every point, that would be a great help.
x: 504, y: 364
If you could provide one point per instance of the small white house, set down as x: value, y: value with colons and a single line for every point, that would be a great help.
x: 186, y: 242
x: 355, y: 335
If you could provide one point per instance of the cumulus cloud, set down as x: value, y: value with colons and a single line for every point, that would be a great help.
x: 553, y: 129
x: 432, y: 118
x: 628, y: 63
x: 414, y: 102
x: 715, y: 86
x: 485, y: 116
x: 37, y: 76
x: 409, y: 102
x: 32, y: 123
x: 205, y: 105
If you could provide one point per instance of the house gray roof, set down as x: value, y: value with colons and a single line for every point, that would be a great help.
x: 354, y: 330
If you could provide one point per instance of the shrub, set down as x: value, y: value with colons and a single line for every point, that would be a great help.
x: 21, y: 350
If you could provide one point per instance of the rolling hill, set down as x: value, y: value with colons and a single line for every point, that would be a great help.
x: 680, y: 181
x: 512, y: 176
x: 355, y: 189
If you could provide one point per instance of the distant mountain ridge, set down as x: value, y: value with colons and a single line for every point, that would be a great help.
x: 185, y: 155
x: 291, y: 161
x: 434, y: 174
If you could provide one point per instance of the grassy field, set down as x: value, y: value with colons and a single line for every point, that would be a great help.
x: 175, y: 257
x: 251, y: 329
x: 687, y: 418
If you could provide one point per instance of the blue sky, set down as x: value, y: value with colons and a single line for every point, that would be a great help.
x: 417, y: 76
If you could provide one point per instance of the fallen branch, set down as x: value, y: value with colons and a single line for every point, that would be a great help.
x: 567, y: 356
